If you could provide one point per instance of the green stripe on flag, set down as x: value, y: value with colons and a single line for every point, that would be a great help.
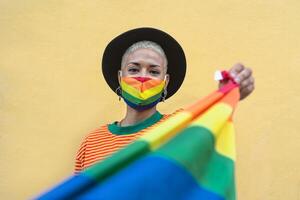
x: 194, y: 149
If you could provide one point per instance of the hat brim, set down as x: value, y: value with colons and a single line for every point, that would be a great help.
x: 112, y: 56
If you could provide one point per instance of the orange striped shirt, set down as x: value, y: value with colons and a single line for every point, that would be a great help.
x: 102, y: 142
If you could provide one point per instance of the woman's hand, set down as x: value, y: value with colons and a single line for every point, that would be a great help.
x: 243, y: 76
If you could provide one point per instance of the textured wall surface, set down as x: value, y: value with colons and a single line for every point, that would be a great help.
x: 52, y: 93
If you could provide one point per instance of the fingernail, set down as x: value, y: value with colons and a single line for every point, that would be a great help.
x: 237, y: 80
x: 232, y: 74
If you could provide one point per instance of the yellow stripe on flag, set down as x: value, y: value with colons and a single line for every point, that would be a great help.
x: 225, y: 143
x: 163, y: 132
x: 223, y: 137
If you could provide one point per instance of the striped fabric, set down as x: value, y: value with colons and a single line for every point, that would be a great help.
x: 189, y: 156
x: 101, y: 143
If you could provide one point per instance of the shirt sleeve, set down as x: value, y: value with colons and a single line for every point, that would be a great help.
x: 80, y: 156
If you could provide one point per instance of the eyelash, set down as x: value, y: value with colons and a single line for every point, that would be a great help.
x: 133, y: 70
x: 155, y: 72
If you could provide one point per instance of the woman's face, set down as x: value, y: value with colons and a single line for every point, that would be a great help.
x: 145, y: 63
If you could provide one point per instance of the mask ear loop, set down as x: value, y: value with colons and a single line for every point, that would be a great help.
x: 119, y: 92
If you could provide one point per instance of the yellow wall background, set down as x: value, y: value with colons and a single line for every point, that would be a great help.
x: 52, y: 93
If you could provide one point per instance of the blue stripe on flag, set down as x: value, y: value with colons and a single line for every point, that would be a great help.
x: 69, y: 188
x: 150, y: 178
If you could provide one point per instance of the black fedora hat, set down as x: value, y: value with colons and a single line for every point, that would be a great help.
x: 112, y: 56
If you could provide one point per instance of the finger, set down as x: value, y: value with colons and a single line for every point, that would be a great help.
x: 236, y: 69
x: 246, y: 91
x: 247, y: 82
x: 243, y: 75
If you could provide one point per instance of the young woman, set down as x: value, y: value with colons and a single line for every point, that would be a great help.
x: 143, y: 66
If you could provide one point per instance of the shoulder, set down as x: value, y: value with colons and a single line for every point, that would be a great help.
x: 96, y: 133
x: 91, y: 136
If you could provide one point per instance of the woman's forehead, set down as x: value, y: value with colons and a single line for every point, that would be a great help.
x: 146, y: 55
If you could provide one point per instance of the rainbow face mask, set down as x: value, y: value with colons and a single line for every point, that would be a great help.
x: 142, y: 93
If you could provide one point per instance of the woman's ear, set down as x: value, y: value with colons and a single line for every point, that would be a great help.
x: 165, y: 92
x: 167, y: 79
x: 119, y: 76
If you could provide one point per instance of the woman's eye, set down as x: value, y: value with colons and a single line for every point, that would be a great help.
x: 155, y: 72
x: 133, y: 70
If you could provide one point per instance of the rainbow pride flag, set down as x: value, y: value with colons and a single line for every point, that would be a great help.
x: 190, y: 156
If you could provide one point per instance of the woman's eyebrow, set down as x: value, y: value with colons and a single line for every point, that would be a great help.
x: 152, y: 66
x: 138, y: 64
x: 135, y: 63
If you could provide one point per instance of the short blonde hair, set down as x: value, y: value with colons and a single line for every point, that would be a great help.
x: 145, y: 44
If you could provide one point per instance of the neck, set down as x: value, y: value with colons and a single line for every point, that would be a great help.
x: 134, y: 116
